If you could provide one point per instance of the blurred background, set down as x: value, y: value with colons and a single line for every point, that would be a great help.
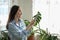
x: 50, y: 10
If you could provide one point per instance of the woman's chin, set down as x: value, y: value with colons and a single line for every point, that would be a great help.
x: 19, y: 17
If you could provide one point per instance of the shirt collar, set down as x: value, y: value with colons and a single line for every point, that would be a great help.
x: 15, y: 22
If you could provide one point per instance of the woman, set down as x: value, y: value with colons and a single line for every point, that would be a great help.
x: 16, y: 27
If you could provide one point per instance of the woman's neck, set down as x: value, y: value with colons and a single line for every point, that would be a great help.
x: 16, y: 19
x: 17, y: 22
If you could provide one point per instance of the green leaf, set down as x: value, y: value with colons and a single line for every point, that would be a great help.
x: 37, y: 17
x: 35, y: 23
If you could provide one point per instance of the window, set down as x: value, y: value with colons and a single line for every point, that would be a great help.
x: 4, y: 6
x: 50, y: 10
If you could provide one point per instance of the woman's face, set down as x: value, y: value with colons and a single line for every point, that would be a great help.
x: 19, y: 13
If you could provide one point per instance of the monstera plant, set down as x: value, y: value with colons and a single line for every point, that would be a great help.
x: 43, y: 34
x: 38, y: 18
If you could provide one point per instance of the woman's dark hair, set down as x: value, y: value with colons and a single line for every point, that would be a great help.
x: 13, y: 11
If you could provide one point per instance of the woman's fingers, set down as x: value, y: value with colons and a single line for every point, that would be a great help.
x: 33, y: 20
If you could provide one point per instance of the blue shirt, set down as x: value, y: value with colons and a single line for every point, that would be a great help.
x: 16, y: 32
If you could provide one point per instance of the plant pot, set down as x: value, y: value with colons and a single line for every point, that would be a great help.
x: 31, y: 37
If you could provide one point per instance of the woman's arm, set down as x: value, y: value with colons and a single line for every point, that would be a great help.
x: 30, y: 25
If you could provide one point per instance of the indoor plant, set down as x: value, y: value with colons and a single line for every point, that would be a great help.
x: 38, y: 18
x: 43, y: 35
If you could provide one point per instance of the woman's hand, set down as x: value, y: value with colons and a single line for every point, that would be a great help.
x: 31, y: 23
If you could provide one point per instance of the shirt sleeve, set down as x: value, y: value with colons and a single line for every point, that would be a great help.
x: 27, y: 33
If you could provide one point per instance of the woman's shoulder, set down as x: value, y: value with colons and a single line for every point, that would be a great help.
x: 11, y: 23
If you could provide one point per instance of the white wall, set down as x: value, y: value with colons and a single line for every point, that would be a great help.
x: 26, y: 7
